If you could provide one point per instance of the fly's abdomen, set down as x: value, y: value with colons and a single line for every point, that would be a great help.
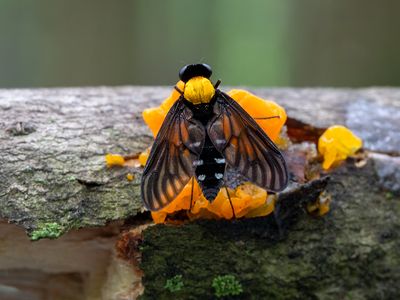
x: 210, y: 170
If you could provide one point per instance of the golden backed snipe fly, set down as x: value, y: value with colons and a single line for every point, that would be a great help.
x: 204, y: 132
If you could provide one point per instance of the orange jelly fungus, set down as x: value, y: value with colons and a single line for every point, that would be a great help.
x: 143, y: 157
x: 114, y: 160
x: 321, y: 206
x: 130, y: 176
x: 336, y: 144
x: 260, y: 109
x: 248, y: 199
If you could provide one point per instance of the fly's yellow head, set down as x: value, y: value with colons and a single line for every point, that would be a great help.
x: 199, y: 90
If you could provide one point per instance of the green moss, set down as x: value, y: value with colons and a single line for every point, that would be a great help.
x: 47, y: 230
x: 227, y: 285
x: 389, y: 195
x: 174, y: 284
x: 71, y: 178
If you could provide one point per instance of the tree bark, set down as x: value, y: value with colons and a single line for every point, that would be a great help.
x: 53, y: 143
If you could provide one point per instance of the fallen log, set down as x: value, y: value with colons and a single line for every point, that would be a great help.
x: 53, y: 179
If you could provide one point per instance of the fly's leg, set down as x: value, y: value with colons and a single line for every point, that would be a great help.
x: 191, y: 196
x: 278, y: 220
x: 267, y: 118
x: 230, y: 201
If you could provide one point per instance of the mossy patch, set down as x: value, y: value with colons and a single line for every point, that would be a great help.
x: 174, y: 284
x: 226, y: 285
x: 47, y: 230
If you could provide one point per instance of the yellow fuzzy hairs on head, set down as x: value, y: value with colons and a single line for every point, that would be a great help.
x: 199, y: 90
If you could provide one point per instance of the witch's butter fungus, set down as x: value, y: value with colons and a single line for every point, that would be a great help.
x: 336, y: 144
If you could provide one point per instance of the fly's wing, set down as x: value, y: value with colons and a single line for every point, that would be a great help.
x: 170, y: 164
x: 245, y: 146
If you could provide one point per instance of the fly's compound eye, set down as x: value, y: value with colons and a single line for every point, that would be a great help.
x: 190, y: 71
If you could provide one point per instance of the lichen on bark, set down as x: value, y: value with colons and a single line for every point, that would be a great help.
x: 52, y: 144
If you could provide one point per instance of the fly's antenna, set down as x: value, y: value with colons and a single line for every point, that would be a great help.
x: 217, y: 84
x: 178, y: 89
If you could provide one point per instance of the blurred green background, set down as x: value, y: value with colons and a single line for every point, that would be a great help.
x: 253, y: 42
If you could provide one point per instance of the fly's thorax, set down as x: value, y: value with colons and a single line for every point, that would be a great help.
x: 199, y: 90
x: 202, y: 112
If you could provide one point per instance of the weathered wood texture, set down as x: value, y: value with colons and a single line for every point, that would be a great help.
x: 53, y: 141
